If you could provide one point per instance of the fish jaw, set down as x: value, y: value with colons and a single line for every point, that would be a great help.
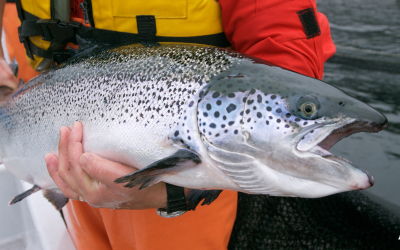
x: 343, y: 174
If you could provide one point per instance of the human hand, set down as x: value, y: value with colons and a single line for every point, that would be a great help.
x: 91, y: 177
x: 8, y: 82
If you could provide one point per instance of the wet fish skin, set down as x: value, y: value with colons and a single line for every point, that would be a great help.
x: 238, y: 114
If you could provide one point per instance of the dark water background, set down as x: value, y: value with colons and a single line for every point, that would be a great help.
x: 367, y: 66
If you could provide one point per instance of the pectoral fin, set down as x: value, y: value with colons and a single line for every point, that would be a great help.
x: 25, y: 194
x: 55, y: 197
x: 196, y: 196
x: 152, y: 174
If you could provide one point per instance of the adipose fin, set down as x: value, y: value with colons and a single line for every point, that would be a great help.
x: 152, y: 174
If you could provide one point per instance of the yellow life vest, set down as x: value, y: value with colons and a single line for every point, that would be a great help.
x: 43, y: 21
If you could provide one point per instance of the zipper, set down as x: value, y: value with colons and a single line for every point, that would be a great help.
x: 52, y: 10
x: 86, y: 7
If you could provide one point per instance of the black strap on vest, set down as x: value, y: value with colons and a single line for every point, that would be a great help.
x: 56, y: 31
x: 147, y: 30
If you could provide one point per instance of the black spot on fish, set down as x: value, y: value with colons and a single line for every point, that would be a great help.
x: 250, y: 102
x: 189, y: 138
x: 267, y: 122
x: 244, y: 99
x: 254, y: 108
x: 216, y: 114
x: 212, y: 125
x: 252, y: 91
x: 248, y: 120
x: 305, y: 123
x: 273, y: 97
x: 287, y: 126
x: 279, y: 110
x: 297, y: 119
x: 269, y: 108
x: 215, y: 94
x: 259, y: 98
x: 235, y: 132
x: 176, y: 133
x: 205, y: 114
x: 270, y: 117
x: 191, y: 104
x: 242, y: 90
x: 224, y: 117
x: 225, y: 131
x: 241, y: 113
x: 231, y: 108
x: 231, y: 123
x: 248, y: 111
x: 201, y: 94
x: 278, y: 120
x: 288, y: 115
x: 231, y: 95
x: 208, y: 106
x: 259, y: 115
x: 222, y: 125
x: 219, y: 102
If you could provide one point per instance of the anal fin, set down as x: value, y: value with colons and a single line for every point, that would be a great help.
x: 196, y: 196
x: 152, y: 174
x: 25, y: 194
x: 55, y: 197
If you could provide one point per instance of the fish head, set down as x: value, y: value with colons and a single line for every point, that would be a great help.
x: 283, y: 124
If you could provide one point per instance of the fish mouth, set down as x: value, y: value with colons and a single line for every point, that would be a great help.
x: 333, y: 133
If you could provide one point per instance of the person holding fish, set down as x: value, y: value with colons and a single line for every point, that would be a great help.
x: 104, y: 215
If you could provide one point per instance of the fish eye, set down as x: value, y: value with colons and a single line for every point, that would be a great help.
x: 307, y: 107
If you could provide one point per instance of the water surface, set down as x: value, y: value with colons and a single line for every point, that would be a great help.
x: 367, y: 66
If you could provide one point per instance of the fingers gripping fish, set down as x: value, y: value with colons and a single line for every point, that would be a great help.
x: 204, y: 118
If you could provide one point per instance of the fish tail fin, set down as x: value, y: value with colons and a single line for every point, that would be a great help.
x: 25, y: 194
x: 195, y: 196
x: 55, y: 197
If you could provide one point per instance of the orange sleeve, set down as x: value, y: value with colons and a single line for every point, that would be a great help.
x: 14, y: 47
x: 272, y: 30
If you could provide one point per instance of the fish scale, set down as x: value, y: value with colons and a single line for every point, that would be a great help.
x: 104, y: 101
x: 193, y: 116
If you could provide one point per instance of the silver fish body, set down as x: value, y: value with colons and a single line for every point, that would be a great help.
x: 255, y: 127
